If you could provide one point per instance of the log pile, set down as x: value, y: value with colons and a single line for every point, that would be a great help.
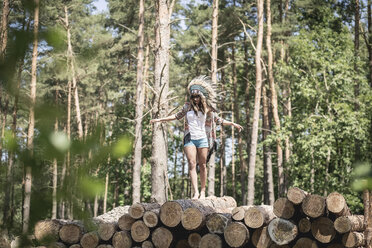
x: 299, y: 220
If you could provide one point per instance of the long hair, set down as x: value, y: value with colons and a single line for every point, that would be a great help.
x: 202, y: 106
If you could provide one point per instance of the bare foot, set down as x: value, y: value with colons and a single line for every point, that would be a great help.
x: 202, y: 195
x: 196, y: 195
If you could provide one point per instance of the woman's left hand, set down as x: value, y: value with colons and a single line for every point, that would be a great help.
x: 240, y: 128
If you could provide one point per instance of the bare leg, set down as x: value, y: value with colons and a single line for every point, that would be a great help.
x: 202, y: 159
x: 190, y: 152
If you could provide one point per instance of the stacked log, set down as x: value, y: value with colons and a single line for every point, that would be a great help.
x: 298, y: 220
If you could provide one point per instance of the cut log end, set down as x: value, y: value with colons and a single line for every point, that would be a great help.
x: 46, y: 231
x: 283, y: 208
x: 305, y: 243
x: 70, y: 233
x: 122, y: 239
x: 147, y: 244
x: 125, y: 222
x: 296, y: 195
x: 261, y: 238
x: 313, y: 206
x: 151, y: 218
x: 192, y: 219
x: 90, y: 239
x: 194, y: 240
x: 336, y: 204
x: 282, y: 231
x: 162, y: 237
x: 238, y: 213
x: 139, y: 231
x: 106, y: 230
x: 210, y: 240
x: 171, y: 214
x: 323, y: 230
x: 217, y: 223
x: 304, y: 225
x: 136, y: 211
x: 353, y: 239
x: 236, y: 234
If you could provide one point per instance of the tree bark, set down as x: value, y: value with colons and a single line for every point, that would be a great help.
x: 236, y: 234
x: 344, y: 224
x: 136, y: 184
x: 257, y: 103
x: 214, y: 58
x: 159, y: 138
x: 4, y: 28
x: 268, y: 166
x: 31, y: 125
x: 274, y: 102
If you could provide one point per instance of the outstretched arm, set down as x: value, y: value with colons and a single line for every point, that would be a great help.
x: 229, y: 123
x: 168, y: 118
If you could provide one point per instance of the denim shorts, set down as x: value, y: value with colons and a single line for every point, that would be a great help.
x: 200, y: 143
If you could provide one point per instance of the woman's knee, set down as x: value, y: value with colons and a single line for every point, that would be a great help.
x: 192, y: 165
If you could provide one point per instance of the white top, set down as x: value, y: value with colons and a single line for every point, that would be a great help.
x: 196, y: 125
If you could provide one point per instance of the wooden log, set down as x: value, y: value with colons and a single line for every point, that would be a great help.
x: 194, y: 239
x: 273, y: 245
x: 182, y: 244
x: 105, y: 246
x: 77, y: 246
x: 257, y: 216
x: 106, y: 230
x: 336, y: 204
x: 194, y: 218
x: 282, y: 231
x: 238, y: 213
x: 125, y: 222
x: 162, y: 238
x: 71, y: 232
x: 171, y: 211
x: 323, y: 230
x: 344, y: 224
x: 261, y: 238
x: 139, y: 231
x: 304, y: 225
x: 216, y: 223
x: 353, y: 239
x: 336, y: 245
x: 122, y: 239
x: 89, y: 240
x: 147, y: 244
x: 296, y: 195
x: 314, y: 206
x: 46, y: 231
x: 58, y: 245
x: 112, y: 215
x: 137, y: 210
x: 236, y: 234
x: 211, y: 240
x: 305, y: 243
x: 283, y: 208
x: 151, y: 218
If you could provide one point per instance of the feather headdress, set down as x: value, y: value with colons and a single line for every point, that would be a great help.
x: 203, y: 85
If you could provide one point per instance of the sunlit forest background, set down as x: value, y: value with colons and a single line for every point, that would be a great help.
x: 69, y: 101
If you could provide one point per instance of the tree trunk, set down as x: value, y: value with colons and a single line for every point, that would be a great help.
x: 211, y: 165
x: 4, y: 28
x: 136, y: 184
x: 357, y: 155
x: 159, y: 138
x: 55, y: 169
x: 106, y: 192
x: 269, y: 197
x: 71, y: 59
x: 31, y: 125
x: 257, y: 103
x: 369, y: 46
x: 274, y: 102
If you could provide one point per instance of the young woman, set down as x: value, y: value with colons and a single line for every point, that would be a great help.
x: 200, y: 134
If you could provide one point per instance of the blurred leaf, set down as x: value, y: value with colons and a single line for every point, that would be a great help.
x: 90, y: 187
x: 122, y: 147
x: 9, y: 142
x: 60, y: 141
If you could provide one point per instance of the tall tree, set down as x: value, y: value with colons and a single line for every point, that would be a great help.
x: 136, y: 195
x: 4, y: 28
x: 31, y: 124
x: 257, y: 103
x: 356, y: 70
x: 161, y: 86
x: 214, y: 54
x: 274, y: 102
